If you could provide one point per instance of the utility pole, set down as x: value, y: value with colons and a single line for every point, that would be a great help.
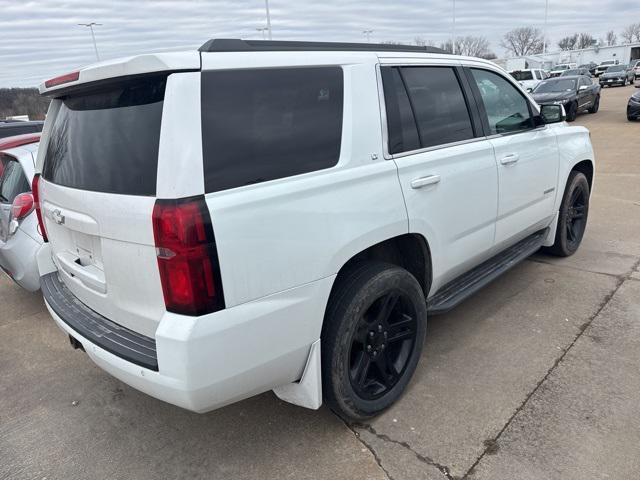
x: 453, y: 37
x: 544, y: 39
x: 93, y: 37
x: 368, y: 35
x: 266, y: 3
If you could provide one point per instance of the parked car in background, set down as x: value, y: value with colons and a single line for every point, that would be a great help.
x: 576, y: 93
x: 635, y: 66
x: 617, y: 75
x: 228, y: 214
x: 561, y: 67
x: 10, y: 128
x: 633, y: 107
x: 529, y: 78
x: 19, y: 236
x: 591, y: 66
x: 576, y: 71
x: 600, y: 69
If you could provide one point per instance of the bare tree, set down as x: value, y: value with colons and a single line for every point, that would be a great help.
x: 611, y: 38
x: 631, y: 33
x: 523, y: 41
x: 568, y: 43
x: 472, y: 46
x: 585, y: 40
x: 421, y: 42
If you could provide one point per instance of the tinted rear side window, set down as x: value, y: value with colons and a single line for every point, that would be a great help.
x: 264, y: 124
x: 107, y: 140
x: 438, y: 104
x: 401, y: 125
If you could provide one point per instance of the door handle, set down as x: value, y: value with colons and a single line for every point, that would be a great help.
x: 510, y: 159
x: 424, y: 181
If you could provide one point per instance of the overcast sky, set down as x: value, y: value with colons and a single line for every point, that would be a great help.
x: 40, y: 38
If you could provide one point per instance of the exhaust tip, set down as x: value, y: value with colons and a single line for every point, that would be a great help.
x: 75, y: 344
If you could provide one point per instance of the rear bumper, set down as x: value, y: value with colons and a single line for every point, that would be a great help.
x: 210, y: 361
x: 18, y: 260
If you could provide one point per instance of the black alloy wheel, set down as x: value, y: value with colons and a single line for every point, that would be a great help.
x: 372, y: 338
x: 572, y: 217
x: 382, y: 345
x: 576, y: 218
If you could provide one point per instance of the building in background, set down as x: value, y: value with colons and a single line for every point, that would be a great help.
x: 596, y: 54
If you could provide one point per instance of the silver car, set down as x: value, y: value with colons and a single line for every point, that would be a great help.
x: 19, y: 236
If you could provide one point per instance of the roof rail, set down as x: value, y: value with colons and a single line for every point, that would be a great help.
x: 238, y: 45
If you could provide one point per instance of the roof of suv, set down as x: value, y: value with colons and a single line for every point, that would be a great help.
x: 191, y: 60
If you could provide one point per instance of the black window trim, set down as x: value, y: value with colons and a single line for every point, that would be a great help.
x: 480, y: 104
x: 475, y: 114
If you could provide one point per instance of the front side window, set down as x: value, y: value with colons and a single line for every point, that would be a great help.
x: 506, y: 108
x: 265, y: 124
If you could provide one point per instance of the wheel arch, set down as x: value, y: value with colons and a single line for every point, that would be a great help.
x: 410, y: 251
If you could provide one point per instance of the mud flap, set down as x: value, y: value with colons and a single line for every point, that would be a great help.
x: 308, y: 391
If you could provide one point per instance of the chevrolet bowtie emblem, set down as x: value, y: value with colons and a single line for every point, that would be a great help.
x: 57, y: 216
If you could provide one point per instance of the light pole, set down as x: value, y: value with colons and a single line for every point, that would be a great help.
x: 266, y: 3
x: 368, y: 35
x: 453, y: 37
x: 544, y: 39
x: 91, y: 25
x: 263, y: 29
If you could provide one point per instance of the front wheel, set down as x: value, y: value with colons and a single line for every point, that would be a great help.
x: 572, y: 219
x: 372, y: 339
x: 572, y: 111
x: 596, y: 105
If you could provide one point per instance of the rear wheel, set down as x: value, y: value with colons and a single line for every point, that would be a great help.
x: 596, y: 105
x: 372, y: 339
x: 572, y: 219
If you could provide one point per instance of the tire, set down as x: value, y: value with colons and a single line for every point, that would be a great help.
x: 596, y: 105
x: 572, y: 112
x: 571, y: 226
x: 375, y: 325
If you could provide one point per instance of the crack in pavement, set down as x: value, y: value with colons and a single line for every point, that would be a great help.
x: 385, y: 438
x: 492, y: 444
x: 368, y: 447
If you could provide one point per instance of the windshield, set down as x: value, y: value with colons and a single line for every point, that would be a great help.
x: 573, y: 71
x: 522, y: 75
x: 561, y: 67
x: 552, y: 86
x: 617, y: 68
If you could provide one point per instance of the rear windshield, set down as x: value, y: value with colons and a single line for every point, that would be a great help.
x: 264, y: 124
x: 522, y: 75
x: 107, y: 140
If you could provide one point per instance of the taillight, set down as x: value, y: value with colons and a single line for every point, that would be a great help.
x: 22, y: 206
x: 187, y: 256
x: 35, y: 191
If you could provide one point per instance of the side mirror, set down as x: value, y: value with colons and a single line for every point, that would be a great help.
x: 552, y: 113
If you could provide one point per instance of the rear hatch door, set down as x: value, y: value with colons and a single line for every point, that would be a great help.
x: 98, y: 189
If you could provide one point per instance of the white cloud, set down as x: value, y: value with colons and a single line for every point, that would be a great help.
x: 41, y: 38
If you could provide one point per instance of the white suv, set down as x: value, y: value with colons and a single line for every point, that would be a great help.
x: 284, y: 215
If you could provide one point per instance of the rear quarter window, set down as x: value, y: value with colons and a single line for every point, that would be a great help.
x: 107, y: 140
x: 265, y: 124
